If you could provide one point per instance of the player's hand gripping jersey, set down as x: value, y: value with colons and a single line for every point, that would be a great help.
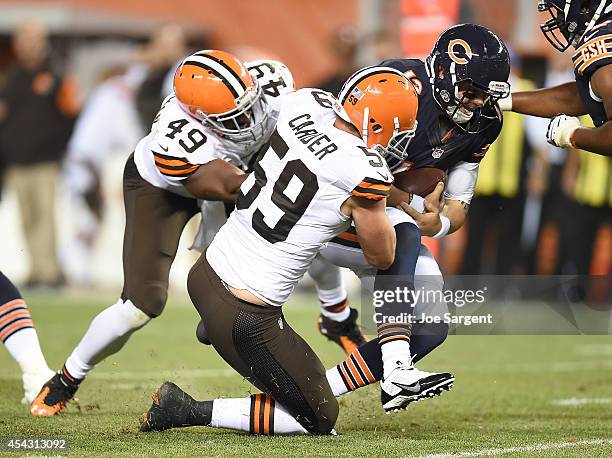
x: 290, y: 205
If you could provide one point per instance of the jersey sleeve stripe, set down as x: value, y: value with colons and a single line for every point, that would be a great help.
x: 182, y: 173
x: 583, y: 67
x: 373, y: 187
x: 368, y: 180
x: 176, y: 167
x: 171, y: 162
x: 578, y: 52
x: 369, y: 195
x: 377, y: 192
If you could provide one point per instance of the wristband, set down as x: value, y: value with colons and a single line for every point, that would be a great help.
x: 444, y: 229
x: 505, y: 104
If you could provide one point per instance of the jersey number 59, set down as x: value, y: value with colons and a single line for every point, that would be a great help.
x: 293, y: 208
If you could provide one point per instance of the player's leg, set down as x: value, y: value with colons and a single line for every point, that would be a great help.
x: 155, y: 220
x: 364, y: 366
x: 19, y: 336
x: 262, y: 347
x: 337, y: 321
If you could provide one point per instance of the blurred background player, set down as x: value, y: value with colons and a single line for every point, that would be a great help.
x: 20, y: 339
x: 38, y: 105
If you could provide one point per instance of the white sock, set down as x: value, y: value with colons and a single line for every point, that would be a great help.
x: 25, y: 348
x: 236, y: 414
x: 335, y: 382
x: 107, y: 334
x: 394, y: 353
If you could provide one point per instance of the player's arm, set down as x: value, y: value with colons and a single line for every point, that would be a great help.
x: 374, y: 231
x: 547, y: 102
x: 216, y: 180
x: 439, y: 220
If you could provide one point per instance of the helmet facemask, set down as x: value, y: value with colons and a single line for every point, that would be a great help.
x: 568, y: 25
x: 246, y: 124
x: 473, y: 119
x: 398, y: 144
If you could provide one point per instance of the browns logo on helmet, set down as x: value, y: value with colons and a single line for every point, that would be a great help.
x: 382, y: 104
x: 217, y: 89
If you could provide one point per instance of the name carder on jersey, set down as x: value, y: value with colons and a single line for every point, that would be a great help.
x: 290, y: 205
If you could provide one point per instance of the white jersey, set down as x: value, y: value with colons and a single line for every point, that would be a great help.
x: 179, y: 144
x: 289, y: 208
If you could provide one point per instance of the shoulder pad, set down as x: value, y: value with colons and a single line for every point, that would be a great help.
x: 595, y: 50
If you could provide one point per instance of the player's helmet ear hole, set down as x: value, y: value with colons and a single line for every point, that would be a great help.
x: 376, y: 128
x: 383, y: 80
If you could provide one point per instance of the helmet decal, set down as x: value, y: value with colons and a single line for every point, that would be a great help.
x: 454, y: 54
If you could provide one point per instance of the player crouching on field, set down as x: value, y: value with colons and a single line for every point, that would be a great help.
x: 317, y: 175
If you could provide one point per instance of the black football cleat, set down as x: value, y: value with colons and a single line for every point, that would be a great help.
x: 53, y: 397
x: 406, y: 385
x: 173, y: 408
x: 345, y: 333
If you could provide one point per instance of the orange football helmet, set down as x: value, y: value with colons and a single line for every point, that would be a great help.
x: 217, y: 89
x: 382, y: 104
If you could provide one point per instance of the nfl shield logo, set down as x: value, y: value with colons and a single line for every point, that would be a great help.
x: 437, y: 152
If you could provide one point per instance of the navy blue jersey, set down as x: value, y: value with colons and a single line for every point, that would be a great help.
x: 594, y: 51
x: 438, y: 142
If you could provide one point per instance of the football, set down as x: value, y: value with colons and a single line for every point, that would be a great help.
x: 420, y: 181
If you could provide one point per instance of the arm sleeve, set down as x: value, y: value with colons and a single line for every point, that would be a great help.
x: 174, y: 168
x: 462, y: 181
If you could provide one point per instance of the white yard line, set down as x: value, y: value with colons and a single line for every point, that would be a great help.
x: 581, y: 401
x: 594, y: 349
x: 524, y: 449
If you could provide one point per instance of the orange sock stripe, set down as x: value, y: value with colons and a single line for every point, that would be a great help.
x: 337, y: 307
x: 67, y: 374
x: 12, y: 304
x: 13, y: 315
x: 346, y: 377
x: 21, y: 324
x: 362, y: 374
x: 355, y: 372
x: 256, y: 424
x: 266, y: 413
x: 387, y: 339
x: 392, y: 329
x: 364, y: 367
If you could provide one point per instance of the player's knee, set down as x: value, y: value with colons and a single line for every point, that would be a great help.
x: 131, y: 315
x: 408, y: 237
x: 202, y: 334
x: 326, y: 414
x: 150, y: 299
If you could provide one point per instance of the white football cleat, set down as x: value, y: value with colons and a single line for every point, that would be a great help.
x: 33, y: 382
x: 407, y: 384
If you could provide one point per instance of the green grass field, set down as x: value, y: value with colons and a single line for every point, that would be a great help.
x: 510, y: 397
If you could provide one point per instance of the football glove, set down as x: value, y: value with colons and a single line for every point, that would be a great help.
x: 561, y: 131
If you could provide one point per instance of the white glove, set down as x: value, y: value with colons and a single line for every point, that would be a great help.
x: 505, y: 104
x: 561, y: 131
